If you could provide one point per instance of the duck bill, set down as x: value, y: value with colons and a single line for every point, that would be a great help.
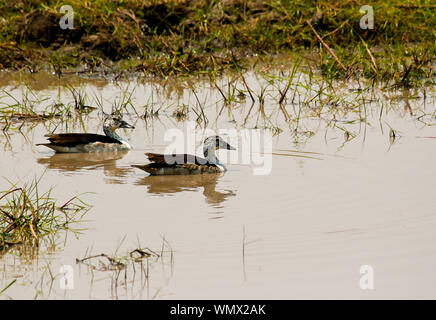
x: 229, y: 147
x: 125, y: 125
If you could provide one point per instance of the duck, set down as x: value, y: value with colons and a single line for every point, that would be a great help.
x: 91, y: 142
x: 184, y: 164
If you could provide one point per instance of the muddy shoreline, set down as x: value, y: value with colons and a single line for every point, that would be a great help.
x: 164, y: 38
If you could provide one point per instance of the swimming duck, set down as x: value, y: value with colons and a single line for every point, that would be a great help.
x: 90, y: 142
x: 172, y: 164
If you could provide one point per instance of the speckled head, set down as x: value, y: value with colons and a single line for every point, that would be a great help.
x: 112, y: 123
x: 217, y: 142
x: 211, y: 144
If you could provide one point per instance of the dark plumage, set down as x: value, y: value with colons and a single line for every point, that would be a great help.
x: 177, y: 164
x: 74, y: 139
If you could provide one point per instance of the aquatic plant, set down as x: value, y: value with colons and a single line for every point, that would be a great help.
x: 28, y: 215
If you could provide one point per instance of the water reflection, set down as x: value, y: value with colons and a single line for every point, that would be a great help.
x: 70, y: 162
x: 178, y: 183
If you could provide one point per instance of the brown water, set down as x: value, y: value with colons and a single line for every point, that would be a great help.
x: 329, y: 205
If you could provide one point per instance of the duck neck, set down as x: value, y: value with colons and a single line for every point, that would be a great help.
x: 112, y: 134
x: 210, y: 156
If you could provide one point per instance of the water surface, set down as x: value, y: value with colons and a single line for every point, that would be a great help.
x: 333, y: 202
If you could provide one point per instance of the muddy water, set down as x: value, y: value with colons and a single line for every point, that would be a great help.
x: 332, y: 203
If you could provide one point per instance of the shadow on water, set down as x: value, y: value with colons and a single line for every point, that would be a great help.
x: 71, y: 162
x: 178, y: 183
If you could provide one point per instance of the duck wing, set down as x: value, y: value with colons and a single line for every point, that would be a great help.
x: 177, y: 164
x: 74, y: 139
x: 177, y: 159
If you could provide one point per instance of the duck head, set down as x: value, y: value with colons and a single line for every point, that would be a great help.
x: 215, y: 143
x: 112, y: 123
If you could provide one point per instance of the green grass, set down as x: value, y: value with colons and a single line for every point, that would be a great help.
x: 208, y: 36
x: 28, y: 215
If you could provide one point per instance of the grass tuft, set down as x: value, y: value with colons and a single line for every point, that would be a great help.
x: 27, y: 215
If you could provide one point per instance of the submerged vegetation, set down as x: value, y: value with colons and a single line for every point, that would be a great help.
x: 274, y: 100
x: 28, y: 215
x: 165, y: 37
x: 130, y: 273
